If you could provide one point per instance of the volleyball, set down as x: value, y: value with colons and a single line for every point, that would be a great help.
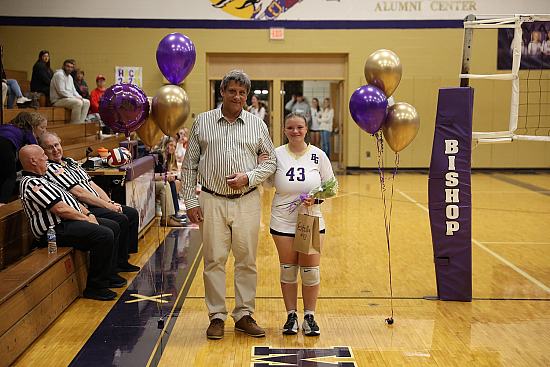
x: 118, y: 156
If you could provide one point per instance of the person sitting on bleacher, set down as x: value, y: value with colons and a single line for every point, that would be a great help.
x: 73, y: 178
x: 95, y: 97
x: 47, y: 205
x: 80, y: 85
x: 64, y: 94
x: 24, y: 129
x: 11, y: 89
x: 167, y: 172
x: 42, y: 74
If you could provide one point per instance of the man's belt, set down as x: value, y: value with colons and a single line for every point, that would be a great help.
x: 234, y: 196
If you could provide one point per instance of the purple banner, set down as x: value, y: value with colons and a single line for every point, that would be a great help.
x: 535, y: 46
x: 449, y: 194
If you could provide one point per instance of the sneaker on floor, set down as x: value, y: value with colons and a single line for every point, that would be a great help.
x: 116, y: 281
x: 248, y: 326
x: 181, y: 217
x: 215, y: 329
x: 21, y: 100
x: 103, y: 294
x: 309, y: 326
x: 291, y: 325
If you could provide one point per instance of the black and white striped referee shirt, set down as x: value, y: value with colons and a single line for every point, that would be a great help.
x: 38, y: 196
x: 69, y: 175
x: 217, y: 148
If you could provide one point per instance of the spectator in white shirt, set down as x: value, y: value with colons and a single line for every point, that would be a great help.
x: 64, y: 94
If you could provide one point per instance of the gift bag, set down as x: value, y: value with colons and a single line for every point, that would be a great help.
x: 307, y: 239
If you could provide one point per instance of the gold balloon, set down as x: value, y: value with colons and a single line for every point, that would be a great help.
x: 383, y: 69
x: 401, y: 125
x: 149, y: 133
x: 170, y: 108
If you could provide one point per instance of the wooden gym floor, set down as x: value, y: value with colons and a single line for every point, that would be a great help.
x: 507, y: 323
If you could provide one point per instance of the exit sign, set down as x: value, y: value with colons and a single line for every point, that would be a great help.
x: 276, y: 33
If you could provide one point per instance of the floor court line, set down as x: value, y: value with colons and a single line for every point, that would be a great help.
x: 481, y: 246
x: 169, y: 323
x: 514, y: 243
x: 496, y: 191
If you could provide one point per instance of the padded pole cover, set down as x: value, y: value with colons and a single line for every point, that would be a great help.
x: 449, y: 194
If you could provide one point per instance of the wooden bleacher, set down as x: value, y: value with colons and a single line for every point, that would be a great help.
x: 36, y: 287
x: 75, y: 137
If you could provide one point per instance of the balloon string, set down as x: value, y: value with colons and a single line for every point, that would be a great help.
x: 387, y: 213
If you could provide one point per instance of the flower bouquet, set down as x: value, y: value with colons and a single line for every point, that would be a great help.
x: 326, y: 190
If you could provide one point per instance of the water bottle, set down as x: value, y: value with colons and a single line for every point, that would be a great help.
x: 52, y: 244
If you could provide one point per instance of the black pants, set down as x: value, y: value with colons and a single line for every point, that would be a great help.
x: 7, y: 170
x: 128, y: 222
x: 101, y: 240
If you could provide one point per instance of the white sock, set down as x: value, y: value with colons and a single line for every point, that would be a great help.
x: 289, y: 312
x: 309, y: 312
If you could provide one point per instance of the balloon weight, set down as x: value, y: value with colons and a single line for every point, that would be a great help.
x: 368, y: 106
x: 383, y: 69
x: 401, y: 125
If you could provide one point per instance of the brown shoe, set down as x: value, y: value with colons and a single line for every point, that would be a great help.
x: 215, y: 330
x: 248, y: 325
x: 170, y: 222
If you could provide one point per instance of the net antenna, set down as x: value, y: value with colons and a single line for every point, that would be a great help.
x: 519, y: 97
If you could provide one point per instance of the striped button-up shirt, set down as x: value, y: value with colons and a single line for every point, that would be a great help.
x: 217, y: 148
x: 69, y: 175
x: 38, y: 196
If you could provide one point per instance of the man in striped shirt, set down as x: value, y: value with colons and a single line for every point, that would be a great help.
x: 48, y: 205
x: 73, y: 178
x: 222, y: 152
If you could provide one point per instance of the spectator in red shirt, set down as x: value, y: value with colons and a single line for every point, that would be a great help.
x: 95, y: 96
x: 97, y: 93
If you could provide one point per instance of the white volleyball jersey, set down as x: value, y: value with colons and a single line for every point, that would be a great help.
x: 295, y: 176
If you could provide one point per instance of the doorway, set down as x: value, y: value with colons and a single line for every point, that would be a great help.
x: 280, y: 69
x: 321, y: 90
x: 262, y: 89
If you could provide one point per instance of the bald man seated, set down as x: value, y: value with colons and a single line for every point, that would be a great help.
x: 47, y: 205
x: 70, y: 175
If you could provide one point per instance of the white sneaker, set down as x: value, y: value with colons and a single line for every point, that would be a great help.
x: 21, y: 100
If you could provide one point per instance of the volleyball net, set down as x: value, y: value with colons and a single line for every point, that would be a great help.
x: 524, y: 49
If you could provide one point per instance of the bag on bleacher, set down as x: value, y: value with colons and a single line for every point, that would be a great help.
x: 35, y: 100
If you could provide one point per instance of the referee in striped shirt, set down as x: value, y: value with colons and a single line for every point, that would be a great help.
x: 73, y: 178
x: 222, y: 156
x: 47, y: 204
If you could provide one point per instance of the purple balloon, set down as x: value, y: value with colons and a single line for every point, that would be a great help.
x: 176, y: 57
x: 368, y: 108
x: 124, y: 108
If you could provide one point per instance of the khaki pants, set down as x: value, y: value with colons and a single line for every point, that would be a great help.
x: 230, y: 225
x: 163, y: 192
x: 79, y: 107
